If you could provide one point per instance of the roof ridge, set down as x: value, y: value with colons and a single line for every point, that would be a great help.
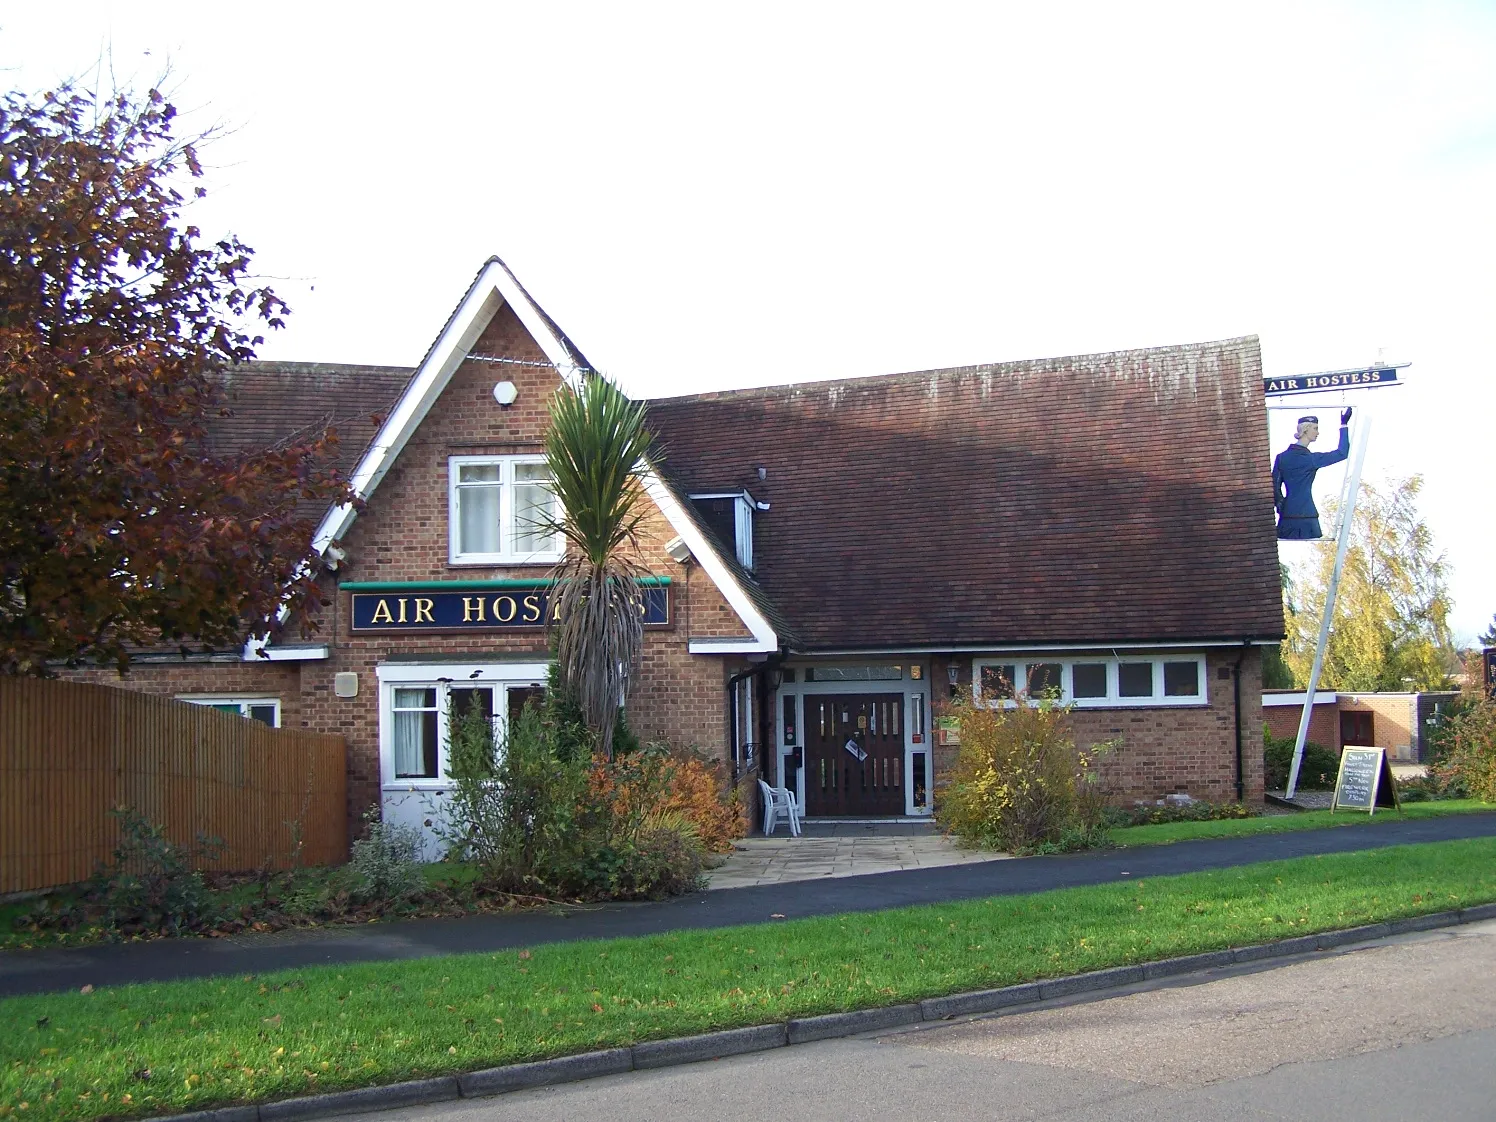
x: 1098, y: 358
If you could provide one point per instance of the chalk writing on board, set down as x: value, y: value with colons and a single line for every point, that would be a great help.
x: 1359, y: 770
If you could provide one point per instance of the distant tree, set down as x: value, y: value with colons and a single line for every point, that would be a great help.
x: 1391, y: 629
x: 118, y: 527
x: 1488, y: 637
x: 1276, y: 674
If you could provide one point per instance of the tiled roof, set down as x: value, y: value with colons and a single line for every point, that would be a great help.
x: 1120, y: 497
x: 728, y: 555
x: 271, y: 402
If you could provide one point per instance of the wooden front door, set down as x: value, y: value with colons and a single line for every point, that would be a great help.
x: 854, y: 754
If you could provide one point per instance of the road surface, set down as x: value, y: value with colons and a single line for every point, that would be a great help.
x: 1401, y: 1029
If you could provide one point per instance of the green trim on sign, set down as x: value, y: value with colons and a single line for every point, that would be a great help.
x: 465, y: 585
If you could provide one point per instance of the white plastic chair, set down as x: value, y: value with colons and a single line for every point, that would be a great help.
x: 779, y: 802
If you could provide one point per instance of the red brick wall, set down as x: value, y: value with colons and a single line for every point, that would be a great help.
x: 1164, y: 749
x: 1324, y: 723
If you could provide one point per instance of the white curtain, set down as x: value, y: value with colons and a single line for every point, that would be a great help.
x: 410, y: 727
x: 478, y: 494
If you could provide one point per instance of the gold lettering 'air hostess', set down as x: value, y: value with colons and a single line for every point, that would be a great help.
x: 423, y: 610
x: 382, y: 612
x: 472, y: 609
x: 531, y: 609
x: 504, y: 608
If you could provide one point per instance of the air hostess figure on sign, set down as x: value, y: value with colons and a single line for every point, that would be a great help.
x: 1293, y: 478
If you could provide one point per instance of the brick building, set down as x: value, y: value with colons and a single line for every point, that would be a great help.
x: 829, y: 563
x: 1398, y: 722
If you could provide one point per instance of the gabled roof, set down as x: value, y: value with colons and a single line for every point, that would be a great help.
x: 1112, y: 498
x: 494, y: 287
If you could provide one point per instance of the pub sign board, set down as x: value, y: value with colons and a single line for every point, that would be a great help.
x: 1333, y: 380
x: 432, y: 608
x: 1365, y: 781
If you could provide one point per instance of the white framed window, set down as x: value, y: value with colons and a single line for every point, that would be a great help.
x: 730, y: 515
x: 501, y: 510
x: 266, y: 710
x: 1089, y: 682
x: 417, y: 704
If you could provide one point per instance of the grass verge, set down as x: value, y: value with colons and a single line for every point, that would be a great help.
x: 1164, y: 832
x: 189, y: 1045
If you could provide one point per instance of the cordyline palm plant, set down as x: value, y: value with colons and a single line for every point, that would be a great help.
x: 595, y: 448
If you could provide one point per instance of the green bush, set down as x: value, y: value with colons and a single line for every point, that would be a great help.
x: 1117, y: 817
x: 1317, y: 770
x: 543, y: 817
x: 1020, y: 783
x: 384, y: 866
x: 1469, y: 762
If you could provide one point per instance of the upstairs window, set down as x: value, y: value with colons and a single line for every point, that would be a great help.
x: 729, y: 515
x: 501, y: 509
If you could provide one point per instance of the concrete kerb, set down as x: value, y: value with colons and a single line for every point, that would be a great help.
x: 800, y: 1030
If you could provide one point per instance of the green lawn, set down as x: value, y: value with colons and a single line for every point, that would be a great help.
x: 189, y: 1045
x: 1280, y: 823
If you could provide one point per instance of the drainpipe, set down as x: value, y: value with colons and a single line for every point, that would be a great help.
x: 1236, y: 687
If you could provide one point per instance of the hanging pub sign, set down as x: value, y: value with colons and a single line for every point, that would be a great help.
x: 472, y: 605
x: 1294, y: 470
x: 1332, y: 380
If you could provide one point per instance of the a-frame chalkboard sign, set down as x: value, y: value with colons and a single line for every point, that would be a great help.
x: 1365, y: 781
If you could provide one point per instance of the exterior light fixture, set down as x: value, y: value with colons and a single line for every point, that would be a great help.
x: 505, y: 393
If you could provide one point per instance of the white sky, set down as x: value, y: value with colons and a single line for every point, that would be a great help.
x: 706, y: 197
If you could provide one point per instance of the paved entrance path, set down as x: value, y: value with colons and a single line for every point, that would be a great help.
x: 48, y: 970
x: 1387, y: 1032
x: 822, y: 853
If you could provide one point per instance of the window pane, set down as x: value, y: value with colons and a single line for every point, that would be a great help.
x: 1135, y: 679
x: 265, y: 714
x: 227, y: 707
x: 418, y: 698
x: 523, y: 472
x: 1043, y: 679
x: 478, y: 519
x: 415, y: 744
x: 997, y: 683
x: 1182, y: 679
x: 532, y: 517
x: 464, y: 700
x: 1089, y: 679
x: 479, y: 473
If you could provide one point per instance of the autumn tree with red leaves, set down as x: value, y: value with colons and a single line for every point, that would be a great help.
x: 119, y: 527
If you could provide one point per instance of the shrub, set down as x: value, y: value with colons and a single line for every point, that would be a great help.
x: 1020, y: 782
x: 385, y: 863
x: 1118, y: 817
x: 544, y: 817
x: 1317, y: 770
x: 698, y: 788
x: 153, y: 884
x: 1469, y: 763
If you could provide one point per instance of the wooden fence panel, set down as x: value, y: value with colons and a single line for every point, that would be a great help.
x: 71, y: 751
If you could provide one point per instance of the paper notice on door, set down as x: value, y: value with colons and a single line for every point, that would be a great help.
x: 856, y: 749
